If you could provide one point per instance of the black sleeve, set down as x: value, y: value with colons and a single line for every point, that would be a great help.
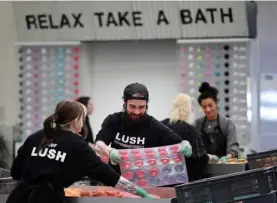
x: 89, y: 137
x: 196, y: 167
x: 108, y: 130
x: 19, y: 161
x: 196, y: 164
x: 165, y: 121
x: 189, y: 133
x: 198, y: 148
x: 93, y: 167
x: 89, y: 131
x: 165, y: 135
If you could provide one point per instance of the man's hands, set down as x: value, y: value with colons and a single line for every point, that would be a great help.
x: 185, y: 148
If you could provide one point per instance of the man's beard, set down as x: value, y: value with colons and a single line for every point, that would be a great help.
x: 134, y: 120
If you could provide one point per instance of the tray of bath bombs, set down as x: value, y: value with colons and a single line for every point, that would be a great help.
x: 159, y: 166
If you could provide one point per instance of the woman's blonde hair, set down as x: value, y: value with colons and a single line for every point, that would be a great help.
x: 182, y: 109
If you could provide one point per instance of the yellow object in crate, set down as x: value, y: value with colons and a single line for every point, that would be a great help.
x: 231, y: 161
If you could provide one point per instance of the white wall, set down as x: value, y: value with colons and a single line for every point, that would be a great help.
x: 109, y: 67
x: 8, y: 63
x: 267, y: 32
x: 9, y: 71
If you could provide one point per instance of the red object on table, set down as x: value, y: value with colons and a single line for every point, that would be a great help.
x: 154, y: 172
x: 165, y: 160
x: 150, y: 155
x: 142, y: 183
x: 140, y: 173
x: 152, y: 162
x: 126, y: 165
x: 177, y: 159
x: 138, y: 163
x: 128, y: 175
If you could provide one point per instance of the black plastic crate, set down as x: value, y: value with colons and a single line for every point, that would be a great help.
x: 269, y: 198
x: 228, y: 188
x: 262, y: 159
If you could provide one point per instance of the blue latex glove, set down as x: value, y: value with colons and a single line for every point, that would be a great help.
x: 224, y: 159
x: 115, y: 156
x: 213, y: 158
x: 185, y: 148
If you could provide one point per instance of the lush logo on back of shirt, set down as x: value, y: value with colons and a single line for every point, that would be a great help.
x: 129, y: 141
x: 50, y: 153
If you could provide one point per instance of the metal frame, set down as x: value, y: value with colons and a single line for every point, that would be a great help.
x: 3, y: 198
x: 216, y: 40
x: 61, y: 43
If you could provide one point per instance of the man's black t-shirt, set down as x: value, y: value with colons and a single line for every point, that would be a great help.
x: 117, y: 131
x: 63, y: 162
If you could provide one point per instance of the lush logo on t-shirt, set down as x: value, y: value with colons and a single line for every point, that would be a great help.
x: 129, y: 141
x: 49, y: 152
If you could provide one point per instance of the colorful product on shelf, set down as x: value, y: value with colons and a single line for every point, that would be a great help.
x: 225, y: 66
x: 47, y: 75
x: 151, y: 167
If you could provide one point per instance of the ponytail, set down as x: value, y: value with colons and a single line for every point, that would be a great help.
x: 49, y: 129
x: 49, y: 123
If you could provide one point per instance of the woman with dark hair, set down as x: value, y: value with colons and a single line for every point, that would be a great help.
x: 218, y: 132
x: 87, y: 102
x: 57, y: 156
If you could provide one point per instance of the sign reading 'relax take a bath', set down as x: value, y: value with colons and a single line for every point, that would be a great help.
x: 130, y: 20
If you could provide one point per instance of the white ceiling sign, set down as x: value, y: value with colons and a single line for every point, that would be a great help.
x: 80, y: 21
